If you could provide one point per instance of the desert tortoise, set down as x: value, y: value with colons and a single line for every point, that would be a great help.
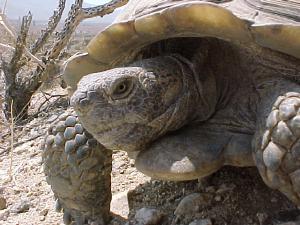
x: 185, y: 87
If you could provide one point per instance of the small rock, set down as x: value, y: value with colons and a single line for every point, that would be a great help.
x: 274, y: 200
x: 52, y: 118
x: 119, y: 204
x: 146, y: 216
x: 42, y: 218
x: 20, y: 150
x: 94, y: 223
x: 132, y: 162
x: 191, y: 204
x: 218, y: 198
x: 2, y: 203
x: 225, y: 188
x: 201, y: 222
x: 21, y: 207
x: 4, y: 215
x: 262, y: 217
x: 44, y: 212
x: 210, y: 189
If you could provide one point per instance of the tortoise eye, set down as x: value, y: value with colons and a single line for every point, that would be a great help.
x: 122, y: 89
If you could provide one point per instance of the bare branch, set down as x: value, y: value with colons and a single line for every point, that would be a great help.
x: 75, y: 16
x: 4, y: 22
x: 5, y: 150
x: 4, y: 7
x: 34, y: 58
x: 16, y: 62
x: 7, y: 26
x: 12, y: 68
x: 103, y: 10
x: 71, y: 22
x: 48, y: 97
x: 52, y: 24
x: 7, y: 46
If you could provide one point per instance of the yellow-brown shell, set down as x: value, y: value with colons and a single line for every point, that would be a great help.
x: 147, y: 21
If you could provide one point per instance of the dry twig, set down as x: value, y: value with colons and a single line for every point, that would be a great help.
x: 4, y: 7
x: 11, y: 143
x: 48, y: 97
x: 9, y: 29
x: 5, y: 150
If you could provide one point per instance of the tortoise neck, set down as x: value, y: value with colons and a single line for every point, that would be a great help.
x: 201, y: 88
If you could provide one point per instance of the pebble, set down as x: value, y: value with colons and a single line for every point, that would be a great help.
x: 42, y: 218
x: 225, y: 188
x: 119, y: 204
x: 210, y: 189
x: 190, y: 204
x: 44, y: 212
x: 147, y: 216
x: 218, y: 198
x: 4, y: 215
x: 274, y: 200
x: 201, y: 222
x: 52, y: 118
x: 262, y: 217
x: 2, y: 203
x: 21, y: 207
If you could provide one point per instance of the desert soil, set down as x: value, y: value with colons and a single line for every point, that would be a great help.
x: 233, y: 196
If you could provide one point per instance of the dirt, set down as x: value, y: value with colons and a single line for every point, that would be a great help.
x: 232, y: 196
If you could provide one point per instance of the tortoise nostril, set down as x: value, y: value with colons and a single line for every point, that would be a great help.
x: 84, y: 103
x: 80, y: 101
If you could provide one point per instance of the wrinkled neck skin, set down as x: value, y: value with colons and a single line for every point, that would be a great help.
x: 197, y: 100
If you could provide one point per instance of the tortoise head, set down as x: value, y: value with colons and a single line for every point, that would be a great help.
x: 127, y: 108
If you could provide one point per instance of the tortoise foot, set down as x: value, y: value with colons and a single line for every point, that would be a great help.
x: 78, y: 169
x: 278, y: 154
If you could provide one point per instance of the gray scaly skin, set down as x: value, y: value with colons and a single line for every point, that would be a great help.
x: 185, y: 120
x: 78, y: 169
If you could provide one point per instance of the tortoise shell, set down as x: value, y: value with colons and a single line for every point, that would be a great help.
x: 273, y: 24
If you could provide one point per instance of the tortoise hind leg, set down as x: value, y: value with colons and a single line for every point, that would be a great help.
x: 78, y: 169
x: 277, y: 152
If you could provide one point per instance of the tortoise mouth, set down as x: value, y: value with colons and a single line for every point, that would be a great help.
x: 113, y: 137
x: 129, y: 137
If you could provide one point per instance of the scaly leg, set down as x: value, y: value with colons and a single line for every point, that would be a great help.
x: 78, y: 169
x: 277, y: 145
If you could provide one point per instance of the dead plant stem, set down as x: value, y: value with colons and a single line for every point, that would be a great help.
x: 11, y: 141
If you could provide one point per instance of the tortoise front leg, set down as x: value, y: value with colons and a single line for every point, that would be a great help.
x: 78, y: 169
x: 277, y: 145
x: 194, y: 152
